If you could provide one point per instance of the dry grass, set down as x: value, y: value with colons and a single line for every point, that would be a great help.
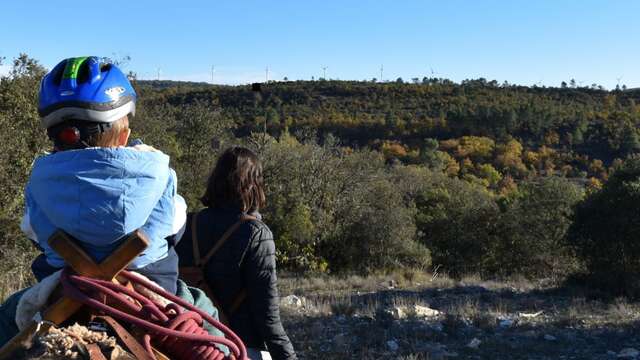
x: 512, y: 319
x: 15, y: 270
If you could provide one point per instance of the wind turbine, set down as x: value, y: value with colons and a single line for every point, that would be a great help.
x: 324, y: 72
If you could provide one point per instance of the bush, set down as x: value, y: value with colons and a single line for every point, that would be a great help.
x: 533, y: 230
x: 606, y: 232
x: 457, y: 222
x: 337, y: 210
x: 21, y: 140
x: 378, y: 231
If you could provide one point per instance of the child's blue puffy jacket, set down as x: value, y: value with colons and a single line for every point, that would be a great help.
x: 99, y: 195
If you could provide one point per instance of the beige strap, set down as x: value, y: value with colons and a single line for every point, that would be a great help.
x: 194, y: 241
x: 225, y: 237
x: 237, y: 301
x: 196, y: 273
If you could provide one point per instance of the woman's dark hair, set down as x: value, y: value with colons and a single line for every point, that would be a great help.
x: 236, y: 180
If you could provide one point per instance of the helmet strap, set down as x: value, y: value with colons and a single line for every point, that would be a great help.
x: 74, y: 134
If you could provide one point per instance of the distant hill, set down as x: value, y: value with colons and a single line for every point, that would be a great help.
x: 557, y: 128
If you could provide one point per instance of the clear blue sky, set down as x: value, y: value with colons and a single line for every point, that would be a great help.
x: 521, y: 41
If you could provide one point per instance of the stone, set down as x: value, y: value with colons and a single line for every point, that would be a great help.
x: 474, y: 343
x: 530, y: 315
x: 292, y: 301
x: 424, y: 311
x: 340, y: 340
x: 392, y: 345
x: 505, y: 323
x: 397, y: 312
x: 628, y: 353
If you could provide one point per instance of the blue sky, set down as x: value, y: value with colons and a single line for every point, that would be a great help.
x: 523, y: 42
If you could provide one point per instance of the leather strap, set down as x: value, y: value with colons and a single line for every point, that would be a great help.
x: 197, y: 277
x: 239, y: 299
x: 225, y: 237
x: 94, y: 352
x: 195, y: 243
x: 129, y: 340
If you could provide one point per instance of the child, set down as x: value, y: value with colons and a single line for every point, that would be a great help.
x: 94, y: 187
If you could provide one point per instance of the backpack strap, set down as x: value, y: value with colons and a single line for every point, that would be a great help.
x: 196, y: 272
x: 223, y: 239
x: 194, y: 241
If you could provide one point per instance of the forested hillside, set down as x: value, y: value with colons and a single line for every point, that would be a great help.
x: 479, y: 130
x: 471, y: 178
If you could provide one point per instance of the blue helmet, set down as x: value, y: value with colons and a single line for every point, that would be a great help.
x: 85, y: 89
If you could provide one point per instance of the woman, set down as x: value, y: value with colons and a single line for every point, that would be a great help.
x: 237, y: 253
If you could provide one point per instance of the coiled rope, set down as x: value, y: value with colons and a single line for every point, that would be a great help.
x: 175, y: 328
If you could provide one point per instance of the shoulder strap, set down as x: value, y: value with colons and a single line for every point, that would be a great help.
x: 223, y: 239
x: 199, y: 264
x: 194, y: 241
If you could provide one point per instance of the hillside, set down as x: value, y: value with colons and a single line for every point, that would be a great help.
x: 519, y: 131
x: 472, y: 178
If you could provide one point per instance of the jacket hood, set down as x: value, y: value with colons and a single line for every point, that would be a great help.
x: 98, y: 195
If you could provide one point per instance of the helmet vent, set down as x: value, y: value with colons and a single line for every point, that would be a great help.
x: 105, y: 67
x: 84, y: 72
x: 57, y: 76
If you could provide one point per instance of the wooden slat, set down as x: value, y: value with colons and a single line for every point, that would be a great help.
x: 18, y: 342
x: 124, y: 254
x: 74, y: 256
x: 61, y: 310
x: 82, y: 264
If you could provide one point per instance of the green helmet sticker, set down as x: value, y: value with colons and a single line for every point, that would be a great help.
x: 72, y: 67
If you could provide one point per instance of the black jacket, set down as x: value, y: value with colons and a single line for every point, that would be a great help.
x: 245, y: 261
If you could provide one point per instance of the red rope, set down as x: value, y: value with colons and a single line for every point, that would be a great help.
x: 172, y: 329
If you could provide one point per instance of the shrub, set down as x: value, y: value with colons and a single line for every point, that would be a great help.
x: 336, y: 210
x: 606, y: 231
x: 456, y: 221
x: 533, y: 230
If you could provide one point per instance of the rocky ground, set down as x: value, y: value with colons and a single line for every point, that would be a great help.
x: 419, y: 317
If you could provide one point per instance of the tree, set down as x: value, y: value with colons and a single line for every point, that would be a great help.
x: 533, y: 230
x: 605, y: 232
x: 22, y: 139
x: 456, y: 221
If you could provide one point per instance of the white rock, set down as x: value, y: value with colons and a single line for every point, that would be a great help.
x: 393, y: 345
x: 397, y: 312
x: 550, y: 337
x: 474, y: 343
x: 530, y: 315
x: 423, y: 311
x: 292, y: 301
x: 628, y: 353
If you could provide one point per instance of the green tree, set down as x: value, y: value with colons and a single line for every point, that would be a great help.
x: 605, y: 231
x: 533, y: 230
